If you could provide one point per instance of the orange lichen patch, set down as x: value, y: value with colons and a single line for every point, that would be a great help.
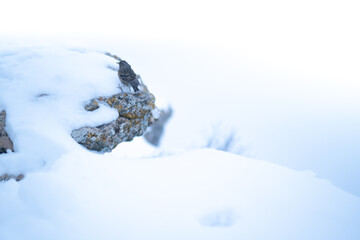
x: 152, y: 105
x: 111, y: 101
x: 90, y: 135
x: 119, y: 107
x: 93, y: 105
x: 129, y: 115
x: 137, y: 114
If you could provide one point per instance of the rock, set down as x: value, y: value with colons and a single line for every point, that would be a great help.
x: 135, y: 115
x: 5, y: 141
x: 7, y: 177
x: 19, y: 177
x: 155, y: 132
x: 4, y: 177
x: 2, y: 123
x: 5, y: 145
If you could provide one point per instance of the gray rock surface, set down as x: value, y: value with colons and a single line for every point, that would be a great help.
x: 6, y: 144
x: 135, y: 115
x: 154, y: 134
x: 5, y: 141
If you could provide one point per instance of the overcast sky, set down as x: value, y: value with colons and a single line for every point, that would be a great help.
x: 316, y: 35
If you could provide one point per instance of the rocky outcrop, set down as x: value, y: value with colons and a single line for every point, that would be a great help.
x: 154, y: 133
x: 136, y: 113
x: 5, y: 141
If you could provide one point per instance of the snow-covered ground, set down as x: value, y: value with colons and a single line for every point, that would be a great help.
x: 180, y: 191
x: 201, y: 194
x: 299, y: 113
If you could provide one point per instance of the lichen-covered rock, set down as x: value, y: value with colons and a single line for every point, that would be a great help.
x: 5, y: 141
x: 135, y: 115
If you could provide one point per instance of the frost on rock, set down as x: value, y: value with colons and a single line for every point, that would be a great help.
x: 5, y: 141
x: 135, y: 115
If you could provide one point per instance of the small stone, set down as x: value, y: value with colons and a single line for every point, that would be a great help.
x: 20, y: 177
x: 4, y: 177
x: 92, y: 105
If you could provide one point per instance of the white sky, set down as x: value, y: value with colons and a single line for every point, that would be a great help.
x: 319, y: 36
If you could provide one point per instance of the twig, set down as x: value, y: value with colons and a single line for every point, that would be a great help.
x: 113, y: 56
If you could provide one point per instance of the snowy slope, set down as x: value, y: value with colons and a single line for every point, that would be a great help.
x: 137, y: 192
x: 203, y: 194
x: 297, y: 112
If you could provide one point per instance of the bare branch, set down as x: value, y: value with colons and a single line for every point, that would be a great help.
x: 113, y: 56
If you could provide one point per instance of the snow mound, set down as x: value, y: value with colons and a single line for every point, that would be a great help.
x: 43, y: 91
x: 203, y: 194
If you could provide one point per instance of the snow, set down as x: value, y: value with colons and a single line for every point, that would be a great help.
x: 44, y: 91
x: 201, y: 194
x: 180, y: 191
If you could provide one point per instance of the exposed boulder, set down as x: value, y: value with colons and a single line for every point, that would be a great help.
x: 136, y: 113
x: 154, y: 133
x: 5, y: 141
